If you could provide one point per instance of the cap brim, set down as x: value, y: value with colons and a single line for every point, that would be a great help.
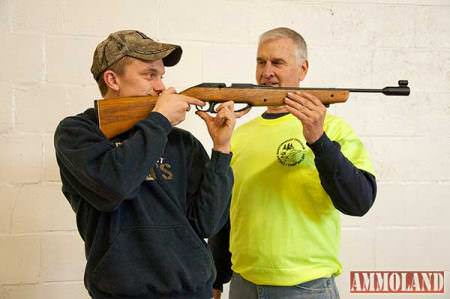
x: 170, y: 54
x: 173, y: 56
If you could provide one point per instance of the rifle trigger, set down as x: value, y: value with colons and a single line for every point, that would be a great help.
x: 211, y: 107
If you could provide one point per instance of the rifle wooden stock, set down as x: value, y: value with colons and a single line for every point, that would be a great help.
x: 117, y: 115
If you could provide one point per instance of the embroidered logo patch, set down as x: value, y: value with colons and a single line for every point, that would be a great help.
x: 291, y: 152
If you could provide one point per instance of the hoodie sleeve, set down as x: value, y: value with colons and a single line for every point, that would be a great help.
x: 102, y: 172
x: 219, y: 246
x: 209, y: 192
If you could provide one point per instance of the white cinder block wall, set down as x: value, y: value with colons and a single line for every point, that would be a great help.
x: 46, y: 50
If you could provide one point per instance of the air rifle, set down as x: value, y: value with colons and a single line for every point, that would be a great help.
x: 117, y: 115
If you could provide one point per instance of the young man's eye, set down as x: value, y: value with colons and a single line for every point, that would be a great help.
x: 151, y: 76
x: 156, y: 76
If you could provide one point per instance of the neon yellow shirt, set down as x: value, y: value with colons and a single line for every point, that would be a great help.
x: 284, y: 227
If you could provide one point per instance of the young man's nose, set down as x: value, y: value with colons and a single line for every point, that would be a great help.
x: 159, y: 87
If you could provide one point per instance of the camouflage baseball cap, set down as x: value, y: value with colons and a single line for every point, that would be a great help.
x: 134, y: 44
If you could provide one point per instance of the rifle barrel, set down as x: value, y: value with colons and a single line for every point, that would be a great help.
x: 365, y: 90
x: 401, y: 90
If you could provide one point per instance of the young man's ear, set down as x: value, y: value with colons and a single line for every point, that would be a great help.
x: 303, y: 69
x: 111, y: 80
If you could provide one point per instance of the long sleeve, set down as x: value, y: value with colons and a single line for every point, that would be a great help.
x: 351, y: 190
x: 209, y: 190
x: 103, y: 172
x: 218, y: 245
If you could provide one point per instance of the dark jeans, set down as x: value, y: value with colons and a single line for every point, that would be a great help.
x: 322, y: 288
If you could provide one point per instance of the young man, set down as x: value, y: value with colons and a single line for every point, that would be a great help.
x: 296, y: 167
x: 145, y: 200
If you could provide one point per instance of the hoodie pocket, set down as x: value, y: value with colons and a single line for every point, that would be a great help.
x: 157, y: 259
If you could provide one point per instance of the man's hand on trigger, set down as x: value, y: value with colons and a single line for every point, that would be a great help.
x: 174, y: 106
x: 221, y: 126
x: 310, y: 111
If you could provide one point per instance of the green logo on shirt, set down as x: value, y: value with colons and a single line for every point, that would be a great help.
x: 291, y: 152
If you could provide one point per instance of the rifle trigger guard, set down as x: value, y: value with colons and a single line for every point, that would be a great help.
x: 245, y: 108
x: 210, y: 109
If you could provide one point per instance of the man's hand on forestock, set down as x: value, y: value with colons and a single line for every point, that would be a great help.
x: 221, y: 126
x: 217, y: 294
x: 174, y: 106
x: 310, y: 111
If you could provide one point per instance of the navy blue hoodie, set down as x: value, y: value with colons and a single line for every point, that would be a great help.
x: 143, y: 203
